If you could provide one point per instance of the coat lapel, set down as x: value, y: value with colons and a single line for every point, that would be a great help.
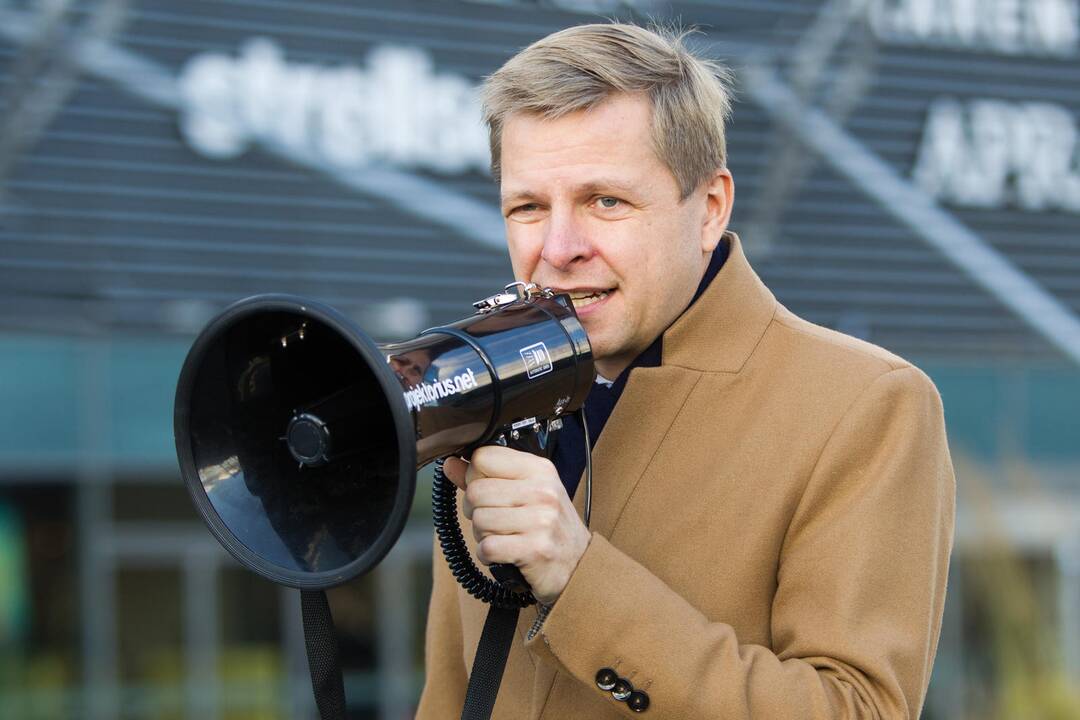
x: 736, y: 307
x: 641, y: 420
x: 719, y: 332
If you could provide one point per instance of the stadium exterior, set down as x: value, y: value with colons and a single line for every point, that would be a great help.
x: 907, y: 171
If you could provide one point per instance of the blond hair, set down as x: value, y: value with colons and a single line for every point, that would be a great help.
x: 577, y: 68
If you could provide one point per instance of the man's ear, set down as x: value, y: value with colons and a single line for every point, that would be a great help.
x: 719, y: 197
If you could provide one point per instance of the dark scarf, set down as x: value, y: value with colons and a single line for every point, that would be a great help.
x: 569, y: 457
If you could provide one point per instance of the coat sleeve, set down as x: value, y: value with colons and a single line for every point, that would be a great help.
x: 445, y: 680
x: 860, y: 588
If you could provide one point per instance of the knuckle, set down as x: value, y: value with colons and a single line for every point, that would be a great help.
x: 470, y: 476
x: 549, y: 495
x: 473, y: 492
x: 487, y: 549
x: 547, y: 518
x: 545, y: 550
x: 482, y: 455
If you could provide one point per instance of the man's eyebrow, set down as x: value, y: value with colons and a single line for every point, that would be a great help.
x: 593, y: 187
x: 605, y: 185
x: 515, y: 196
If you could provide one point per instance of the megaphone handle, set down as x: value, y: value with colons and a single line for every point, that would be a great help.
x: 458, y: 558
x: 530, y: 441
x: 510, y: 577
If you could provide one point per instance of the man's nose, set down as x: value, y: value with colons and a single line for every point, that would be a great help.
x: 566, y: 241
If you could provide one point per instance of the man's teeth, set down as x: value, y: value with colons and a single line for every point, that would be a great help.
x: 581, y: 301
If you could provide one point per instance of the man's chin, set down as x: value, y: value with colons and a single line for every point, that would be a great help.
x: 602, y: 348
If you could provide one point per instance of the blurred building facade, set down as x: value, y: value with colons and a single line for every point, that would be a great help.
x: 907, y: 171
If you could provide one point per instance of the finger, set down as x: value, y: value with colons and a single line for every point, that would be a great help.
x: 489, y: 492
x: 498, y: 492
x: 472, y: 473
x: 455, y: 470
x: 509, y: 520
x: 468, y: 507
x: 504, y: 462
x: 508, y: 549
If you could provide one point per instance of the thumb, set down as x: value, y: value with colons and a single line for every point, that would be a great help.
x: 455, y: 468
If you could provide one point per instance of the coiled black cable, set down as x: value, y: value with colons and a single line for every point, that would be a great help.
x: 447, y: 529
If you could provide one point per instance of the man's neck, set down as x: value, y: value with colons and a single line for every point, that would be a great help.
x: 611, y: 369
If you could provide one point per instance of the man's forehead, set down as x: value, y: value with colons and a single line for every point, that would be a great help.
x: 607, y: 147
x: 619, y: 113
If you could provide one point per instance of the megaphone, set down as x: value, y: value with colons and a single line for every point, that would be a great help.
x: 299, y: 437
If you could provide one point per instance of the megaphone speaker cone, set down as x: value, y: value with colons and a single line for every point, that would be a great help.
x: 295, y: 441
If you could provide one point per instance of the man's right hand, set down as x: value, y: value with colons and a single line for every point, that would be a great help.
x: 521, y: 515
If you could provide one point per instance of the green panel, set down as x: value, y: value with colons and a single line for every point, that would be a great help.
x: 998, y: 412
x: 973, y: 402
x: 1053, y: 422
x: 992, y: 412
x: 143, y: 380
x: 62, y: 399
x: 38, y: 401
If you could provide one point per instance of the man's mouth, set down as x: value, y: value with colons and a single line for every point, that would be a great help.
x: 584, y: 298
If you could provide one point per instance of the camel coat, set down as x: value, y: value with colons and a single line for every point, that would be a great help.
x: 772, y: 521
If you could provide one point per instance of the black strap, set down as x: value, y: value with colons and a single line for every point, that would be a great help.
x: 320, y: 639
x: 490, y: 661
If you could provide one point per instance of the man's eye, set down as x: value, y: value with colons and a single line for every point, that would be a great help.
x: 609, y: 202
x: 526, y: 208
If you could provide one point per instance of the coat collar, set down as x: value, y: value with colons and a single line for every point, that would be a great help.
x: 716, y: 334
x: 719, y: 331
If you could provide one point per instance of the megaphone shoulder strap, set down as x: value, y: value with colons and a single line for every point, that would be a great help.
x: 320, y: 640
x: 490, y: 661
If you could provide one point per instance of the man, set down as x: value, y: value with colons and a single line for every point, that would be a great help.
x: 773, y: 502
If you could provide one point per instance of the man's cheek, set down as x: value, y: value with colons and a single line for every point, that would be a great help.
x: 524, y: 256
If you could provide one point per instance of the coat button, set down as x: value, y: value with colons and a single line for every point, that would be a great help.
x: 606, y: 679
x: 638, y: 701
x: 622, y: 690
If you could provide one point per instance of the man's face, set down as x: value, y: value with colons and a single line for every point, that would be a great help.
x: 591, y: 210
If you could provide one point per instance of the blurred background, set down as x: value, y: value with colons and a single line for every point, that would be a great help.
x: 908, y: 171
